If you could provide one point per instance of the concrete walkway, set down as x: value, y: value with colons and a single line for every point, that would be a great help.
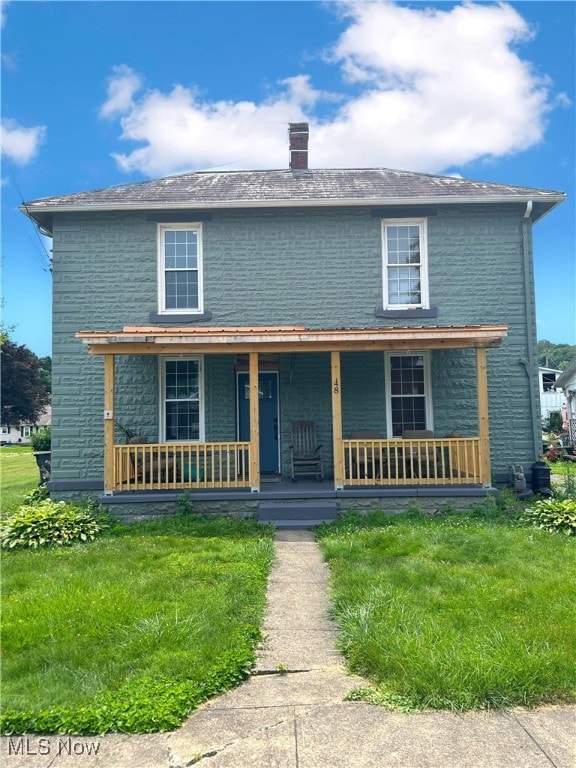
x: 291, y: 713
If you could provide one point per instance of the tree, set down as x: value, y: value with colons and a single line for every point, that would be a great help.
x: 46, y: 372
x: 559, y: 355
x: 23, y: 393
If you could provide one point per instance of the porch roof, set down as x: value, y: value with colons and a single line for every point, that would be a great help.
x: 144, y: 340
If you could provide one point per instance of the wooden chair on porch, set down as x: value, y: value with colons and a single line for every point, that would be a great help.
x: 305, y: 452
x: 148, y: 466
x: 420, y: 461
x: 366, y: 463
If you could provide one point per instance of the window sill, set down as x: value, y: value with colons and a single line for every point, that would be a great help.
x: 402, y: 314
x: 186, y: 318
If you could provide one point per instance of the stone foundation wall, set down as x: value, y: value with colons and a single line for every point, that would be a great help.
x: 135, y: 511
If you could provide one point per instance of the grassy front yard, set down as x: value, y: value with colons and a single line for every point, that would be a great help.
x: 19, y: 475
x: 456, y: 611
x: 133, y: 630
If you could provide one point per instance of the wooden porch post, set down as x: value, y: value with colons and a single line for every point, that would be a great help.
x: 254, y: 423
x: 483, y: 424
x: 109, y: 473
x: 337, y: 420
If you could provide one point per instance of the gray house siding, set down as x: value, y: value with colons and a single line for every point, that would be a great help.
x: 318, y: 267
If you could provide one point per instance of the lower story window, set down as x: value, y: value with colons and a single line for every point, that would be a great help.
x: 182, y: 399
x: 408, y: 389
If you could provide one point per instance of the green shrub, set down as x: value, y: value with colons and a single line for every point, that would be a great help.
x: 36, y: 495
x: 554, y: 423
x: 42, y: 441
x: 554, y: 515
x: 50, y: 522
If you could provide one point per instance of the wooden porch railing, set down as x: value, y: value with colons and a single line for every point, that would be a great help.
x: 146, y: 466
x: 437, y: 461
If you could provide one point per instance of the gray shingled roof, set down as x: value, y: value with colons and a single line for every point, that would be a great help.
x: 368, y: 186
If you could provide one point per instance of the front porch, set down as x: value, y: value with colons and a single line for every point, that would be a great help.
x: 374, y: 465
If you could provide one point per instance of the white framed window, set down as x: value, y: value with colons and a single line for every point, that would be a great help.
x: 405, y: 264
x: 26, y: 431
x: 180, y: 288
x: 5, y: 430
x: 408, y: 392
x: 182, y: 399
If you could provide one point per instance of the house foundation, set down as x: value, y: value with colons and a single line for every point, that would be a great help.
x: 133, y: 507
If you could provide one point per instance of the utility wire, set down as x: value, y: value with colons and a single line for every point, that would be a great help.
x: 44, y: 253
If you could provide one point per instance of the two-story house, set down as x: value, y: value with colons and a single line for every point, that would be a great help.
x: 209, y: 312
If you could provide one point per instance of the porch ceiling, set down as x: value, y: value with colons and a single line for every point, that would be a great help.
x: 143, y: 340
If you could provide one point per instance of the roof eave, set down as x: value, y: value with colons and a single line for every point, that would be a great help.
x: 38, y: 213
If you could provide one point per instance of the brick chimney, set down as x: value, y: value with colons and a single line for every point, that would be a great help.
x: 298, y: 137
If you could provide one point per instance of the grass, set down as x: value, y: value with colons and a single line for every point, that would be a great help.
x: 130, y: 632
x: 458, y: 611
x: 564, y: 468
x: 19, y: 475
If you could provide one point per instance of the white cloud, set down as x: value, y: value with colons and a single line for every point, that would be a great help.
x: 433, y: 88
x: 20, y: 144
x: 180, y: 132
x: 122, y: 86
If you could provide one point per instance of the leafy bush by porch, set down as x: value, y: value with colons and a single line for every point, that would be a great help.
x: 455, y: 611
x: 554, y: 515
x: 45, y: 523
x: 132, y: 631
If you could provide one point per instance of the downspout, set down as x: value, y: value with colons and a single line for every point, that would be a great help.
x: 529, y: 364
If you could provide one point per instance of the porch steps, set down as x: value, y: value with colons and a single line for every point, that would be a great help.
x: 297, y: 515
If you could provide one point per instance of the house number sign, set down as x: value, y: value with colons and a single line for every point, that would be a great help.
x: 336, y: 386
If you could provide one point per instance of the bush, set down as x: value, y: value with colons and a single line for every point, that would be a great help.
x: 555, y: 515
x: 554, y: 423
x: 34, y: 496
x: 50, y: 522
x: 42, y: 441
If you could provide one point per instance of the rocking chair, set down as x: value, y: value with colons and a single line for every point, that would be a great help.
x: 305, y: 453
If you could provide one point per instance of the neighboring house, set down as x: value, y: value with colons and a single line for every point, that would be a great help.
x: 207, y: 312
x: 21, y: 434
x: 552, y: 400
x: 567, y: 383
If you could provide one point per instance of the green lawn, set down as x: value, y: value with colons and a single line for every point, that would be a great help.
x: 564, y: 468
x: 133, y: 630
x: 457, y: 611
x: 19, y: 475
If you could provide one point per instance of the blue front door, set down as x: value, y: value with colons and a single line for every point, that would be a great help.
x: 268, y: 399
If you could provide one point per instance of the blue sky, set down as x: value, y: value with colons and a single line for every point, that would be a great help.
x: 103, y: 93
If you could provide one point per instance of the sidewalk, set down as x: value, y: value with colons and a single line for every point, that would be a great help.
x: 291, y: 713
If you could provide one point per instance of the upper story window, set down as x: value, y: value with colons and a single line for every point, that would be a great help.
x: 405, y: 264
x: 180, y: 268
